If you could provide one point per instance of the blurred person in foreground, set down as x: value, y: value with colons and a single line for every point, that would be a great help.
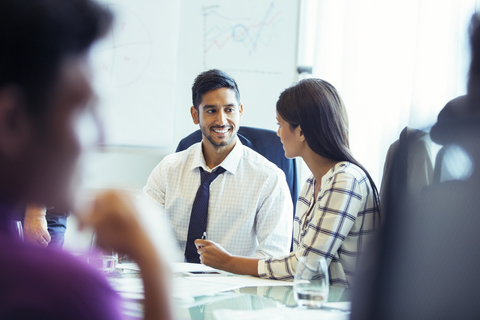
x: 338, y: 208
x: 44, y: 92
x: 427, y: 264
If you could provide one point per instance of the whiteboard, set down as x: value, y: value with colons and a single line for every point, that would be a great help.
x: 134, y: 72
x: 255, y: 41
x: 145, y: 67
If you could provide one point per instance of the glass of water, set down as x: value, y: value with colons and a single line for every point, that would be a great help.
x: 17, y: 228
x: 311, y: 284
x: 105, y: 260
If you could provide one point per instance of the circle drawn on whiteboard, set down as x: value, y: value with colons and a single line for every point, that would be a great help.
x: 122, y: 57
x: 239, y: 33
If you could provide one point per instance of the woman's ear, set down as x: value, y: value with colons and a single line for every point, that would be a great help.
x: 299, y: 133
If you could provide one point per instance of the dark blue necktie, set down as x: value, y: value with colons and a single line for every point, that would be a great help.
x: 198, y: 218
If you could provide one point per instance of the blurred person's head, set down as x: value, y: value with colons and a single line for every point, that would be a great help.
x: 216, y: 107
x: 458, y: 122
x: 44, y: 89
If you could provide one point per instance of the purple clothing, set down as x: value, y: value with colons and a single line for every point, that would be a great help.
x: 39, y: 283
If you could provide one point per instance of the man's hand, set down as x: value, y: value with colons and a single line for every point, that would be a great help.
x: 35, y: 226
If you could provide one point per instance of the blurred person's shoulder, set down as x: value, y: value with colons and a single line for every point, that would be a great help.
x: 51, y: 284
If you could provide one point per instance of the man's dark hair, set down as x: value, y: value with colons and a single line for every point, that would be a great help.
x: 211, y: 80
x: 36, y: 36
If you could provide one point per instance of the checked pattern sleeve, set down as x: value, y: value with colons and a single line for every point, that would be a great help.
x: 338, y: 223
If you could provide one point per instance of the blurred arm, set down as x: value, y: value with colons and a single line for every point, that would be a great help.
x: 118, y: 227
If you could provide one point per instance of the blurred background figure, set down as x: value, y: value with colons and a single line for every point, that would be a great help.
x: 45, y: 227
x: 427, y: 262
x: 45, y: 91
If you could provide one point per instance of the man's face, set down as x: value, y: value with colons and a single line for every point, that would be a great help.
x: 57, y: 144
x: 219, y: 116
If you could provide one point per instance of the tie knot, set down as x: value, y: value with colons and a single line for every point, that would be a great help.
x: 208, y: 177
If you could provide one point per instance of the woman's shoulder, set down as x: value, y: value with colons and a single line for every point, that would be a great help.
x: 349, y: 169
x: 351, y: 174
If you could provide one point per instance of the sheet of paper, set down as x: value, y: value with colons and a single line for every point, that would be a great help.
x: 190, y: 287
x: 182, y: 287
x: 128, y: 266
x: 332, y: 312
x: 189, y: 267
x: 245, y: 281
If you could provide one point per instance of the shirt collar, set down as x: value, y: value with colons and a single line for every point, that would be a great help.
x: 230, y: 163
x: 329, y: 175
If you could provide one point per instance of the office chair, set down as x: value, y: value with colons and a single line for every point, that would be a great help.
x: 266, y: 143
x: 408, y: 166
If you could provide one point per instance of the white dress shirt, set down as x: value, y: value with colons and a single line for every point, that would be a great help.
x: 250, y: 208
x: 334, y: 225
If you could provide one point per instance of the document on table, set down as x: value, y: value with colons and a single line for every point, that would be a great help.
x: 194, y: 286
x: 333, y: 311
x: 189, y: 267
x: 176, y: 267
x: 182, y: 287
x: 245, y: 281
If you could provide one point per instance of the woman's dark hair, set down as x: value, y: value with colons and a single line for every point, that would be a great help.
x: 211, y: 80
x: 316, y: 107
x: 36, y: 36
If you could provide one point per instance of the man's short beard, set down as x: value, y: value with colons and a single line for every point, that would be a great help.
x: 221, y: 144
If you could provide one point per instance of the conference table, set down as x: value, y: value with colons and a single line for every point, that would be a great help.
x: 226, y: 297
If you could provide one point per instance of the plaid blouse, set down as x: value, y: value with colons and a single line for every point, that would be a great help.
x: 342, y: 219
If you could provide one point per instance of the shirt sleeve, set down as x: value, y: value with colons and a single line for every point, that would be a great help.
x: 274, y: 218
x: 324, y: 230
x: 156, y: 187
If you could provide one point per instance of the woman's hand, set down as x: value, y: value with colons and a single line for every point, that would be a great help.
x: 213, y: 255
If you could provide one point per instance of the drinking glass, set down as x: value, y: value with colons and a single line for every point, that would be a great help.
x: 106, y: 260
x: 17, y: 229
x: 311, y: 285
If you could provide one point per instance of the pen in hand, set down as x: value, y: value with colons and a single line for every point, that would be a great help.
x: 204, y: 237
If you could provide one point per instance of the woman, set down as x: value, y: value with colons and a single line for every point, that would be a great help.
x: 338, y: 207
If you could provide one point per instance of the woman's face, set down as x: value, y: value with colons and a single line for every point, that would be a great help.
x: 291, y: 140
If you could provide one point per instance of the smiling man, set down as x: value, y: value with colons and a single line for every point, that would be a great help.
x: 218, y: 186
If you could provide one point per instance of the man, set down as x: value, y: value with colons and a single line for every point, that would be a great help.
x: 44, y: 91
x: 248, y: 209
